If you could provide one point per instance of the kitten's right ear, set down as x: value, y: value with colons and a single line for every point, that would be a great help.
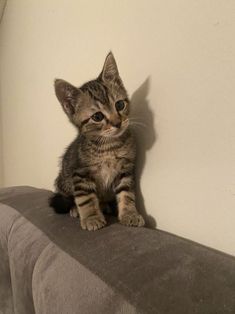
x: 110, y: 69
x: 67, y: 94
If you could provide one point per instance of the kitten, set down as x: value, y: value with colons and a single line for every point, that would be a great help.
x: 98, y: 166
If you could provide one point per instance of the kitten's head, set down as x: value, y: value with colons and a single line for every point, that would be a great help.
x: 99, y: 107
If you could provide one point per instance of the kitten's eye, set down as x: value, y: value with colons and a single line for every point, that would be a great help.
x: 98, y: 116
x: 120, y: 105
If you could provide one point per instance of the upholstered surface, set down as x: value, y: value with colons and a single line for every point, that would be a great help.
x: 49, y: 265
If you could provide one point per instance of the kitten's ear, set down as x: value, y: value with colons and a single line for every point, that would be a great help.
x: 67, y: 95
x: 110, y: 69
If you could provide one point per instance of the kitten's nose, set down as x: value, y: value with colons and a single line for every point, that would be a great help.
x: 115, y: 121
x: 117, y: 125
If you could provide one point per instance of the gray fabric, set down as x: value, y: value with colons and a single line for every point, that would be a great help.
x: 6, y: 300
x: 49, y: 265
x: 47, y: 280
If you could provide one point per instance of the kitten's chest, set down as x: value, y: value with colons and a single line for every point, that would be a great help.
x: 106, y: 171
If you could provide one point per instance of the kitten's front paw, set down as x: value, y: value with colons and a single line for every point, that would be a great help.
x: 132, y: 219
x: 93, y: 223
x: 73, y: 212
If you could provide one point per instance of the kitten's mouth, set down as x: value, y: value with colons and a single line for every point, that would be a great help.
x: 116, y: 132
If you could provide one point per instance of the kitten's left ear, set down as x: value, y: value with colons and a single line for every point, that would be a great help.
x: 110, y: 69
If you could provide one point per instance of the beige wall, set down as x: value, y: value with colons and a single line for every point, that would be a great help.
x: 1, y: 154
x: 176, y: 57
x: 2, y: 6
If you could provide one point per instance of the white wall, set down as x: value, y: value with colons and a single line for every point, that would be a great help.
x: 176, y: 57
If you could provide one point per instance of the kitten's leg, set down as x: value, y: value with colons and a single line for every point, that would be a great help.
x: 127, y: 212
x: 87, y: 203
x: 74, y: 212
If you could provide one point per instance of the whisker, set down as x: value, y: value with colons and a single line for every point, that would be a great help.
x: 136, y: 121
x: 138, y: 124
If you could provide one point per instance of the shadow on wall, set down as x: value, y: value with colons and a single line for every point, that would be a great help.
x: 142, y: 123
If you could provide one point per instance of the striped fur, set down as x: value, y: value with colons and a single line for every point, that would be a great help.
x: 98, y: 166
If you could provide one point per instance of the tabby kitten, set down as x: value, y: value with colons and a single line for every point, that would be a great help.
x: 98, y: 166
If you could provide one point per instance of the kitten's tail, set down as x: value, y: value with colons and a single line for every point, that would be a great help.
x: 61, y: 203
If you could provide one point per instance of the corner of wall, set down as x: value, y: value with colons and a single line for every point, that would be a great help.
x: 2, y: 8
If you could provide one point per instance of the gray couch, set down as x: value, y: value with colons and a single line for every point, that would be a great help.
x: 49, y: 265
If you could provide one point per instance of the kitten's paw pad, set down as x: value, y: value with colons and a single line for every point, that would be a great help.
x: 132, y: 220
x: 73, y: 212
x: 93, y: 223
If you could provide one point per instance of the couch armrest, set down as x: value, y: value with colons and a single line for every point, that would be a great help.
x: 52, y: 266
